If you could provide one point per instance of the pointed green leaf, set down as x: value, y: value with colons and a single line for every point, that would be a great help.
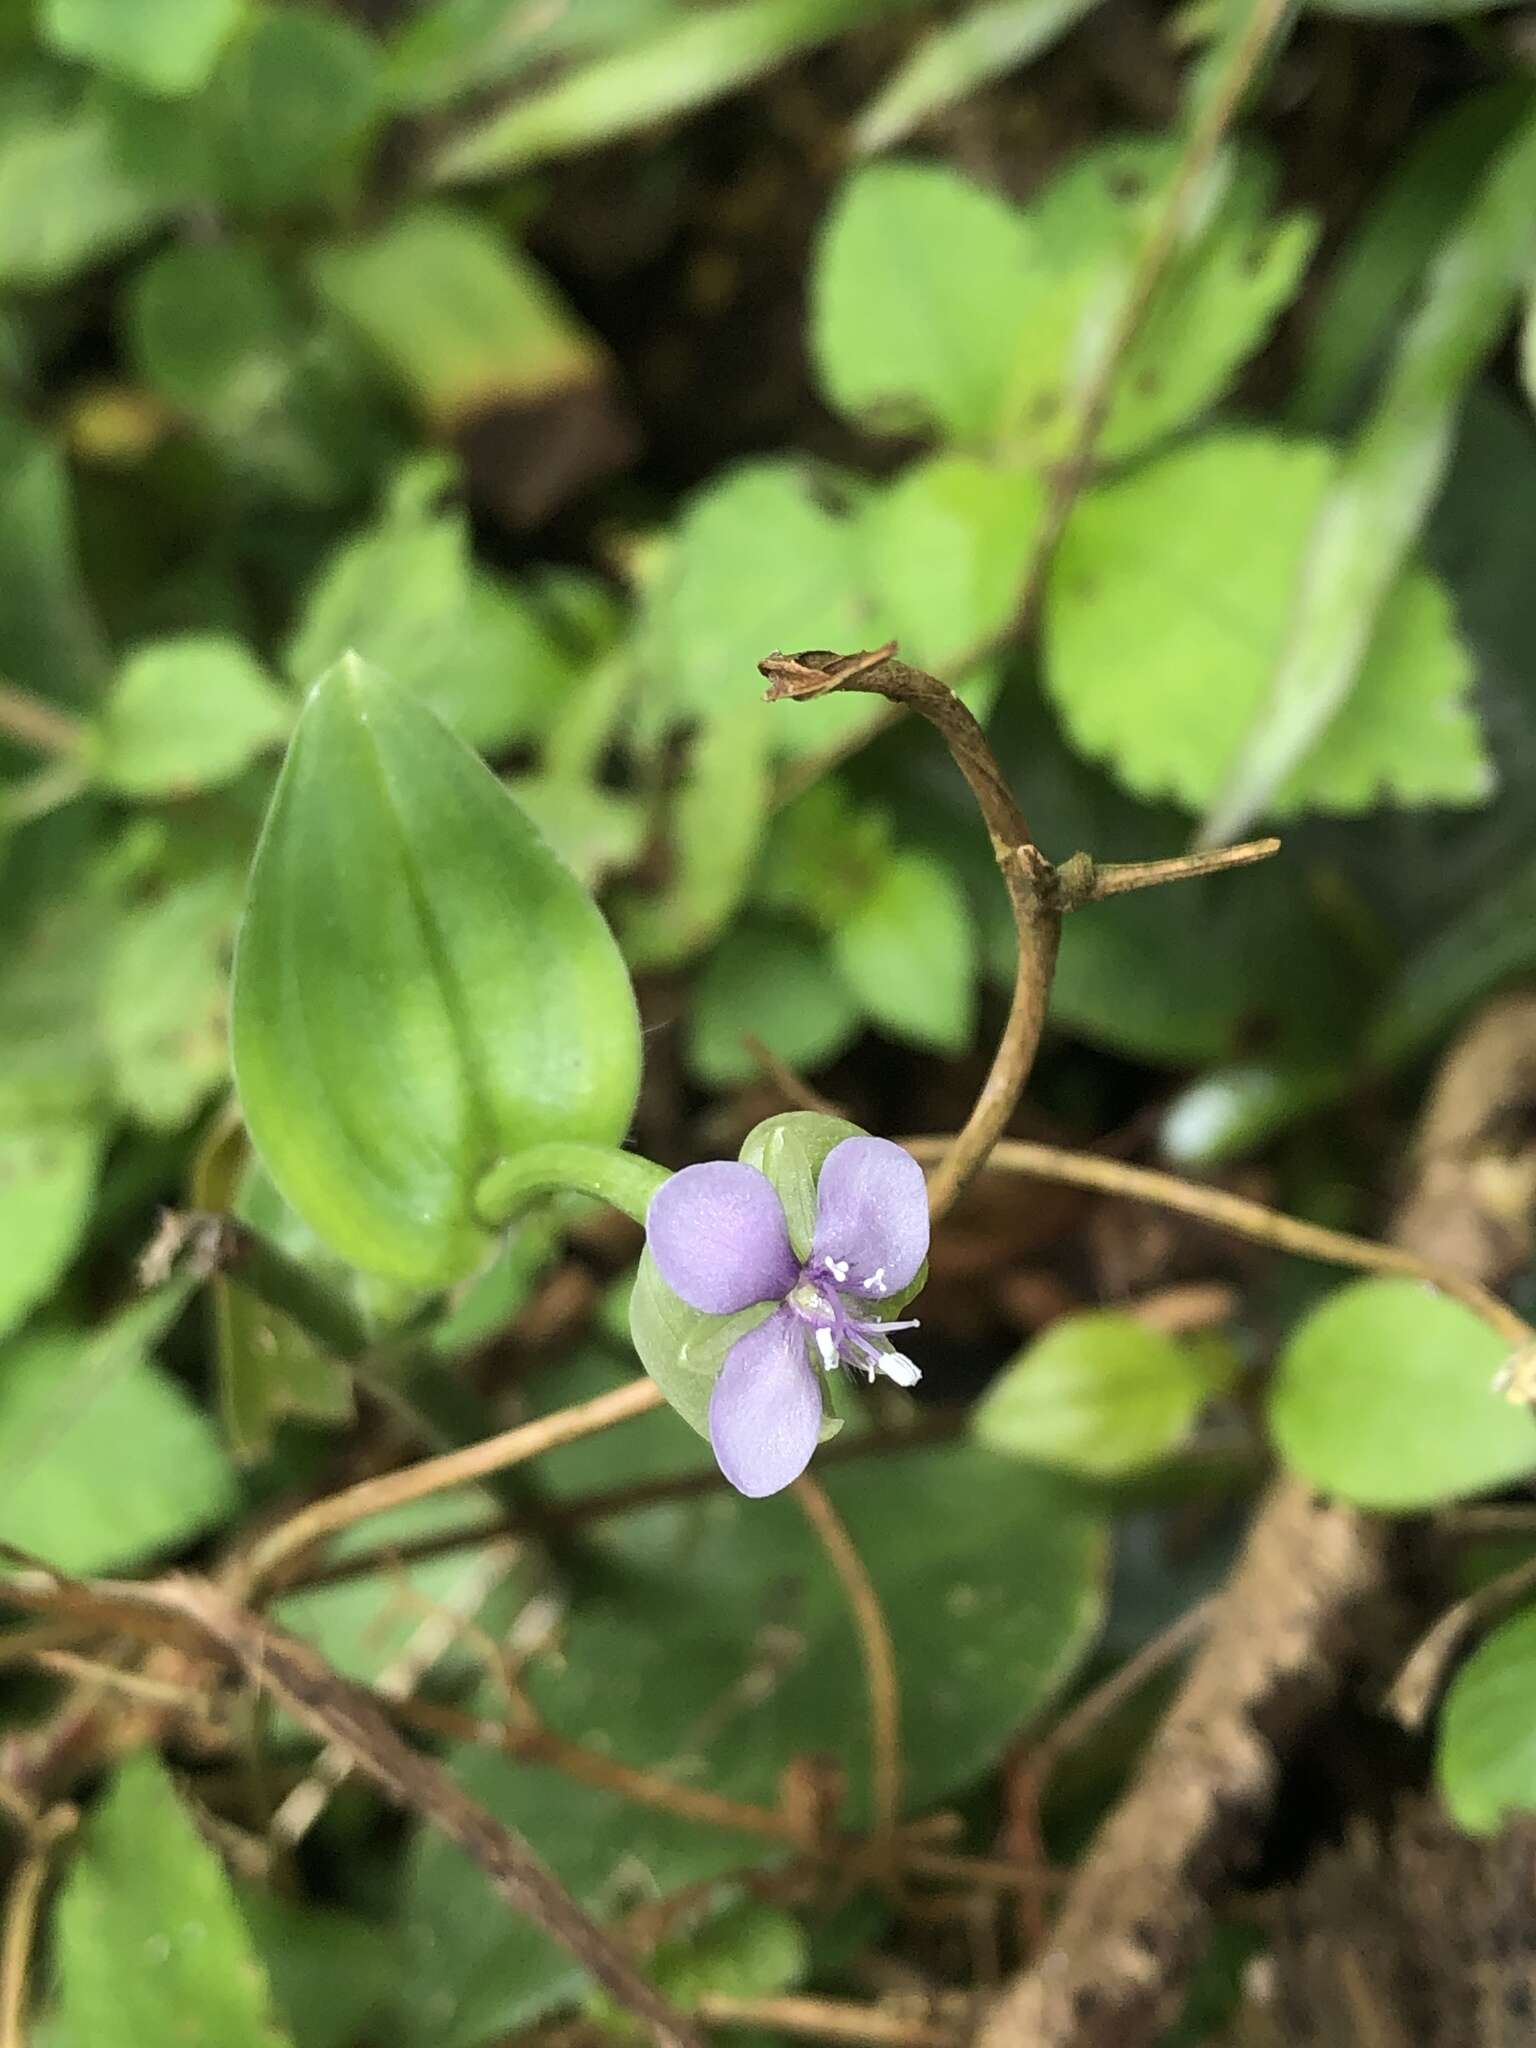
x: 150, y: 1941
x: 420, y: 986
x: 1385, y: 1396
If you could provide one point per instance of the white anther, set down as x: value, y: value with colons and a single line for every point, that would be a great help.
x: 875, y: 1284
x: 899, y: 1368
x: 838, y: 1268
x: 827, y: 1348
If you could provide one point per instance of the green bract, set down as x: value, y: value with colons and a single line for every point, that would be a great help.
x: 420, y: 986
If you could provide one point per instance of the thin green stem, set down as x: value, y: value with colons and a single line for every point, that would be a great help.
x: 622, y: 1179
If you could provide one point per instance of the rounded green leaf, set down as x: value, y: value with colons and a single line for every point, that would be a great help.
x: 922, y: 296
x: 167, y: 47
x: 772, y: 982
x: 1098, y: 1393
x: 420, y: 986
x: 48, y: 1173
x: 948, y: 546
x: 1385, y: 1396
x: 1486, y: 1758
x: 187, y: 714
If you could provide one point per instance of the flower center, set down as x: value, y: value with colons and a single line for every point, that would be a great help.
x: 839, y: 1335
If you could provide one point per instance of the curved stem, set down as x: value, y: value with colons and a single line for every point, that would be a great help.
x: 477, y: 1462
x: 623, y: 1179
x: 1244, y: 1218
x: 1033, y: 895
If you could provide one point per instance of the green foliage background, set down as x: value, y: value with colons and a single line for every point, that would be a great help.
x: 387, y: 331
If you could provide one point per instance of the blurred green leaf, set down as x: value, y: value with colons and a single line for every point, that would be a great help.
x: 366, y: 1624
x: 773, y: 982
x: 1384, y: 1395
x: 50, y: 640
x: 758, y: 560
x: 53, y: 1064
x: 105, y: 1461
x: 151, y: 1944
x: 1485, y: 1757
x: 330, y: 1972
x: 1377, y: 504
x: 825, y: 850
x: 936, y: 302
x: 209, y: 332
x: 751, y: 1951
x: 1390, y: 248
x: 186, y: 714
x: 166, y: 46
x: 164, y: 1000
x: 420, y: 986
x: 1231, y: 1113
x: 947, y: 548
x: 456, y: 312
x: 713, y: 1638
x: 1174, y: 570
x: 684, y: 61
x: 1490, y: 943
x: 1098, y: 1393
x: 716, y: 821
x: 448, y: 47
x: 957, y: 57
x: 908, y: 953
x: 408, y: 595
x: 595, y: 831
x: 296, y: 93
x: 48, y: 1173
x: 1214, y: 305
x: 923, y: 288
x: 66, y: 200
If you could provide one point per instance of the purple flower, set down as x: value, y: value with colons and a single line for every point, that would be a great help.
x: 719, y: 1238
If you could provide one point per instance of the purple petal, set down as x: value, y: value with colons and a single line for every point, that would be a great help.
x: 872, y: 1214
x: 717, y: 1233
x: 765, y: 1411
